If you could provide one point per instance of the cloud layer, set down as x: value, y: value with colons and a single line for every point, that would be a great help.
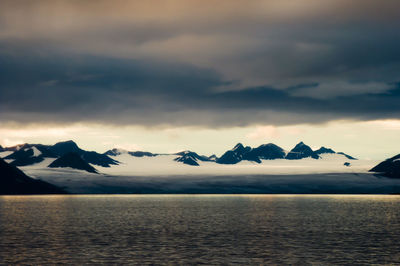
x: 205, y: 63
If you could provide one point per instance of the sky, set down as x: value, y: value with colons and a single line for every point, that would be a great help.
x: 164, y: 76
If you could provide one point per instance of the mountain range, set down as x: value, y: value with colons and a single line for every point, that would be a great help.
x: 69, y: 154
x: 65, y: 162
x: 28, y: 154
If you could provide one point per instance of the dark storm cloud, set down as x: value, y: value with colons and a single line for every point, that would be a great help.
x: 117, y: 91
x: 185, y: 63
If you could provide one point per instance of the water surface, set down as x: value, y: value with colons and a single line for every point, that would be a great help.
x: 208, y: 229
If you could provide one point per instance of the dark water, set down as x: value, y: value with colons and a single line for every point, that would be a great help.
x: 186, y: 230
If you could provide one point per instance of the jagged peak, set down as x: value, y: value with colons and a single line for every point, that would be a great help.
x: 238, y: 146
x: 268, y: 145
x: 324, y: 150
x: 66, y: 143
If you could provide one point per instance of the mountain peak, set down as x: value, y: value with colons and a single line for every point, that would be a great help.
x: 67, y: 142
x: 323, y: 150
x: 64, y: 147
x: 267, y: 151
x: 238, y: 146
x: 301, y: 151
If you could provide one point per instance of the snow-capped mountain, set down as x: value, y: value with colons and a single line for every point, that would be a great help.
x: 242, y: 168
x: 190, y: 158
x: 92, y: 157
x: 28, y: 154
x: 120, y: 161
x: 301, y: 151
x: 324, y: 150
x: 271, y: 151
x: 237, y: 154
x: 31, y: 154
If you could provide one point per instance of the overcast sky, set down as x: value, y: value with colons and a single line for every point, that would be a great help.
x: 170, y: 75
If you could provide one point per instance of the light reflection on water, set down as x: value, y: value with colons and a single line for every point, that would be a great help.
x: 209, y: 229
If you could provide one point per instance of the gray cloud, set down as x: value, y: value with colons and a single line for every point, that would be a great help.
x: 117, y: 91
x: 183, y: 63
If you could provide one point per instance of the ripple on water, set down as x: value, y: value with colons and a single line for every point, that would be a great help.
x: 208, y: 229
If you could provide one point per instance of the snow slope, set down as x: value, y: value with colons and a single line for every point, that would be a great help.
x: 164, y: 165
x: 161, y: 174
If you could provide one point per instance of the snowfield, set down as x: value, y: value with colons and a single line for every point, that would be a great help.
x: 161, y: 174
x: 164, y: 165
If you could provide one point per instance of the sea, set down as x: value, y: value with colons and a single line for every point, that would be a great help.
x: 200, y: 229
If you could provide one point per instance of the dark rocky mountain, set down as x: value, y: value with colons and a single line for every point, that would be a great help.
x: 301, y: 151
x: 190, y: 158
x: 142, y: 154
x: 187, y: 159
x: 73, y: 160
x: 324, y: 150
x: 116, y: 152
x: 389, y: 168
x: 263, y: 152
x: 1, y: 148
x: 14, y: 182
x: 42, y: 148
x: 62, y: 148
x: 24, y: 154
x: 24, y: 159
x: 13, y: 148
x: 235, y: 155
x: 194, y: 155
x: 29, y: 154
x: 98, y: 159
x: 268, y: 151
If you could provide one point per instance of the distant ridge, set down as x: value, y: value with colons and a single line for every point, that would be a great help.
x: 324, y: 150
x: 29, y: 154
